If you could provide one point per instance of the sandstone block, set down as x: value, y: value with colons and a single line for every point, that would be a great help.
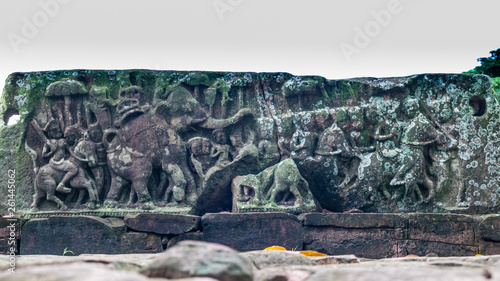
x: 253, y: 231
x: 84, y: 235
x: 162, y: 223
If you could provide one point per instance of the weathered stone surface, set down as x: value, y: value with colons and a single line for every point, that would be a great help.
x: 78, y: 271
x: 201, y: 259
x: 130, y: 262
x: 423, y: 248
x: 162, y: 223
x: 489, y: 248
x: 284, y: 274
x: 279, y: 188
x: 253, y: 231
x: 447, y: 228
x: 194, y: 236
x: 271, y: 258
x: 366, y: 243
x: 375, y: 271
x: 341, y: 259
x: 10, y: 232
x: 84, y: 235
x: 9, y: 225
x: 407, y: 268
x: 354, y: 220
x: 489, y: 228
x: 423, y: 143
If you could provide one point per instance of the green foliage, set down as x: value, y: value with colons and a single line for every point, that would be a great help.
x: 67, y: 251
x: 491, y: 67
x: 496, y: 86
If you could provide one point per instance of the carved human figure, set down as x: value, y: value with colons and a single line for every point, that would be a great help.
x: 360, y: 143
x: 377, y: 168
x: 60, y: 173
x: 55, y: 149
x: 303, y: 140
x: 182, y: 112
x: 219, y: 149
x: 200, y: 159
x: 333, y: 142
x: 268, y: 149
x: 82, y: 155
x: 445, y: 161
x: 95, y: 136
x: 419, y: 133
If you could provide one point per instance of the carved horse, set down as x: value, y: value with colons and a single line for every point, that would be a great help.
x: 48, y: 177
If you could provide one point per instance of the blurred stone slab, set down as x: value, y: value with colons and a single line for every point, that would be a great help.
x: 194, y: 236
x: 489, y: 248
x: 424, y: 248
x: 78, y: 271
x: 162, y: 223
x: 366, y: 243
x: 253, y: 231
x: 85, y: 235
x: 10, y: 233
x: 273, y: 258
x: 354, y: 220
x: 446, y: 228
x: 340, y: 259
x: 489, y: 228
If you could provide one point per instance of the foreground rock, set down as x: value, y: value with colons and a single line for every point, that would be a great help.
x: 201, y: 259
x: 79, y: 271
x: 264, y: 259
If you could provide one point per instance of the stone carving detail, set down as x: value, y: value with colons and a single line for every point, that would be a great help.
x: 277, y: 188
x: 195, y: 142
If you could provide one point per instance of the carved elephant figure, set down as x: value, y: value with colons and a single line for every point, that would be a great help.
x: 280, y: 186
x: 126, y: 165
x: 145, y: 137
x: 284, y: 178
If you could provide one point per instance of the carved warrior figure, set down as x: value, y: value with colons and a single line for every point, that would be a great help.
x: 417, y: 135
x: 62, y: 174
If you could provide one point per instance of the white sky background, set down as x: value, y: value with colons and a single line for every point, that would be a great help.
x: 299, y: 37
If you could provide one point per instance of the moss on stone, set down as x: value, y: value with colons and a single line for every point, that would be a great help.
x: 341, y: 115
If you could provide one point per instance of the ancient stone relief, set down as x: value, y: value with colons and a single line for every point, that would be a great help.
x: 194, y: 142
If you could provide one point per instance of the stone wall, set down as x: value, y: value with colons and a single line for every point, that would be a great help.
x: 205, y: 142
x: 364, y: 235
